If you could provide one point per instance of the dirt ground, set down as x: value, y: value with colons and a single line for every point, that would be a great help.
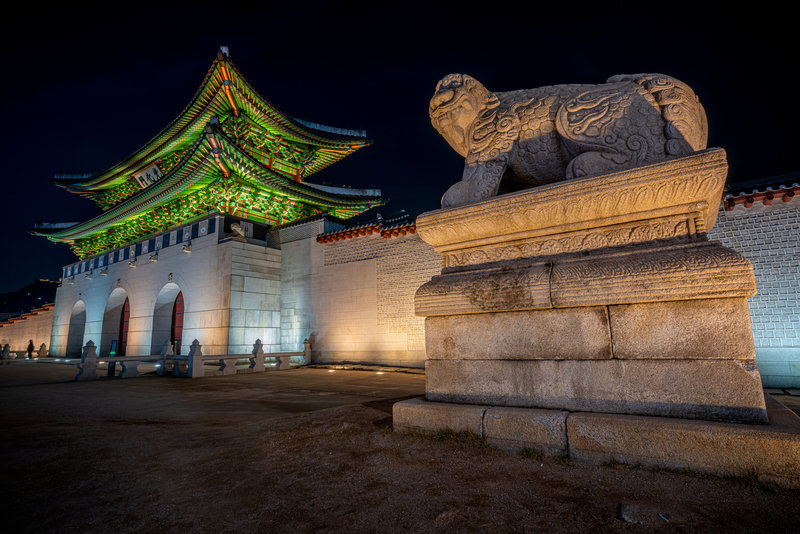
x: 313, y: 451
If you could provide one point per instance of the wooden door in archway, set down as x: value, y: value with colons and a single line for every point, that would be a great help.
x: 176, y: 330
x: 124, y: 319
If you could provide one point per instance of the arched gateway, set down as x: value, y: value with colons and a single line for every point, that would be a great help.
x: 116, y: 320
x: 203, y: 199
x: 167, y: 319
x: 77, y: 327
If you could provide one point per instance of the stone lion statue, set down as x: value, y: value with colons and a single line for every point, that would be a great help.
x: 537, y: 136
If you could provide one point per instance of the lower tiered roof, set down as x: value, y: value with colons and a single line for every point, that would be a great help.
x: 216, y: 174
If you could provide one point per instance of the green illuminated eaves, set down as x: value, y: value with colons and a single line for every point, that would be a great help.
x: 197, y: 170
x: 210, y: 100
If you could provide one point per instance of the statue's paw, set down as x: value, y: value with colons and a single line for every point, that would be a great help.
x: 595, y: 164
x: 459, y: 194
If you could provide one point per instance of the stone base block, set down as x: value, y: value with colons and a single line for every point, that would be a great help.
x: 721, y: 390
x: 770, y: 451
x: 417, y: 414
x: 520, y: 428
x: 685, y: 329
x: 702, y: 329
x: 535, y: 334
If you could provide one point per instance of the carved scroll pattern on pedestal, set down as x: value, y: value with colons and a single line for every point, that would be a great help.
x: 580, y: 205
x: 574, y: 243
x: 662, y: 263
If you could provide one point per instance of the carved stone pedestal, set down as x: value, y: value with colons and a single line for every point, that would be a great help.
x: 597, y: 294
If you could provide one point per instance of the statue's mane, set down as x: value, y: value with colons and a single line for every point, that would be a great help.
x: 464, y: 86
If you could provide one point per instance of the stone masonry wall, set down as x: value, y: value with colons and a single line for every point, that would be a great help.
x: 296, y: 267
x: 769, y: 236
x: 255, y: 287
x: 36, y: 327
x: 295, y: 294
x: 364, y: 299
x: 200, y: 275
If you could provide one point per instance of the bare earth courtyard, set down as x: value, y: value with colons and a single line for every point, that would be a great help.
x: 311, y: 450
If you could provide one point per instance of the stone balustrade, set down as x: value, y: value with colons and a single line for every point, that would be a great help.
x: 190, y: 365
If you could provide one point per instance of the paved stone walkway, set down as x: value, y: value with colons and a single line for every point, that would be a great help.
x: 311, y: 450
x: 788, y: 397
x: 27, y: 388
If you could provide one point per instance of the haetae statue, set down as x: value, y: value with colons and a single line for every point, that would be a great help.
x: 537, y: 136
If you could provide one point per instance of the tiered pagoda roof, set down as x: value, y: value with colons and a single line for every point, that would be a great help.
x: 228, y: 151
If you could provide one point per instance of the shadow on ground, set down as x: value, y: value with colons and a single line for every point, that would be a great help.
x: 311, y: 450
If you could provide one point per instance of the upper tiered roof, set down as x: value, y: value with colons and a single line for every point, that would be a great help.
x: 228, y: 151
x: 225, y: 94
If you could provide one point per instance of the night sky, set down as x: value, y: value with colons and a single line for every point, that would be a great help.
x: 84, y: 87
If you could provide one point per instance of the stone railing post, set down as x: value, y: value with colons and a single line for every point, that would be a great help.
x: 228, y: 365
x: 195, y: 362
x: 306, y: 351
x: 257, y: 361
x: 166, y: 351
x: 87, y: 369
x: 129, y: 369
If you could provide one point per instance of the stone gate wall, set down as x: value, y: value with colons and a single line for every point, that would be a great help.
x: 36, y: 325
x: 355, y: 298
x: 769, y: 236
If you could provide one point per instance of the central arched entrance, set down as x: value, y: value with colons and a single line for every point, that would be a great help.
x: 124, y: 320
x: 116, y: 318
x: 77, y: 327
x: 177, y: 323
x: 167, y: 319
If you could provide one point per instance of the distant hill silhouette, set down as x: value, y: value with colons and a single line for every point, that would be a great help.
x: 27, y: 298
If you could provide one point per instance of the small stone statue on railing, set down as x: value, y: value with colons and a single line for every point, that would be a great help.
x: 257, y: 361
x: 306, y: 351
x: 167, y: 363
x: 195, y: 363
x: 87, y: 369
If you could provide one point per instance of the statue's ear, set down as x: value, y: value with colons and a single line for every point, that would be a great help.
x: 472, y: 85
x: 451, y: 80
x: 480, y: 93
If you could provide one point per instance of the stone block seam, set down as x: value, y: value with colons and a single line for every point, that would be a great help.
x: 485, y: 435
x: 770, y: 459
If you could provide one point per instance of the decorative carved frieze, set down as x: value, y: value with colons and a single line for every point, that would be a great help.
x: 667, y: 228
x: 699, y: 270
x: 624, y: 207
x: 706, y: 270
x: 526, y: 288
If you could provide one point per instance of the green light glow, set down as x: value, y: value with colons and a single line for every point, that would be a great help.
x: 265, y: 155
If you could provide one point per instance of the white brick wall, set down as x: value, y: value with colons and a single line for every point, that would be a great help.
x: 255, y: 288
x: 36, y: 327
x: 199, y: 275
x: 354, y: 298
x: 402, y: 265
x: 769, y: 236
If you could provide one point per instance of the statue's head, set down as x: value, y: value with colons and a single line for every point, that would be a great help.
x: 455, y: 106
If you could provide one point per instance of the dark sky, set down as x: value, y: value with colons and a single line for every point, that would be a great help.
x: 84, y: 86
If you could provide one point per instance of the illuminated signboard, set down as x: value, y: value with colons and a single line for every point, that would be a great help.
x: 148, y: 176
